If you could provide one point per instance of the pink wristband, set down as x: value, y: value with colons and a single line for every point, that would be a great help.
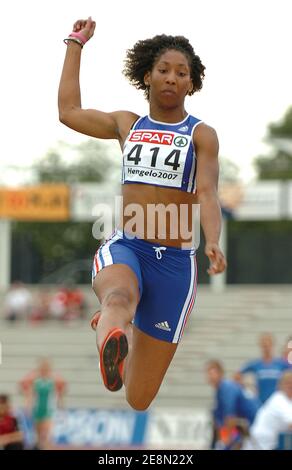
x: 80, y: 36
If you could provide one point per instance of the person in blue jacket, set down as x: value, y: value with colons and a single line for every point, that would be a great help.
x: 235, y: 408
x: 267, y: 370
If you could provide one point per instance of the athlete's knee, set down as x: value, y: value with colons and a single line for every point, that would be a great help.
x: 119, y: 297
x: 139, y: 405
x: 141, y: 401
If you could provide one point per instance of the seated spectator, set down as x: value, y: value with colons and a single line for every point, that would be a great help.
x: 58, y: 304
x: 273, y: 418
x: 67, y: 303
x: 17, y: 302
x: 11, y: 438
x: 75, y: 303
x: 267, y: 370
x: 235, y: 408
x: 40, y: 311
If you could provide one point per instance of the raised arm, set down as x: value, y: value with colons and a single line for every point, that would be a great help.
x: 87, y: 121
x: 206, y: 144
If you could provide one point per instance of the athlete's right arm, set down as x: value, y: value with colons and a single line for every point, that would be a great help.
x: 87, y: 121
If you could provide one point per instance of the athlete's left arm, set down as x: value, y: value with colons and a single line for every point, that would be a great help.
x: 207, y: 146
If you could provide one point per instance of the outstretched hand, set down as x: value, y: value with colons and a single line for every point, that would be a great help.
x: 86, y: 27
x: 217, y: 259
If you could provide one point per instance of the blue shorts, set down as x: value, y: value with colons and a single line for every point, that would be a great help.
x: 167, y: 278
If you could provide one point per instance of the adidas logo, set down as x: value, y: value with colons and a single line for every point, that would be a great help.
x: 163, y: 326
x: 183, y: 129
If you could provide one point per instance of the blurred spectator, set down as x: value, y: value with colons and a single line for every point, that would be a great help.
x: 287, y: 351
x: 40, y: 310
x: 17, y: 302
x: 11, y: 438
x: 274, y: 417
x: 267, y: 370
x: 68, y: 303
x: 43, y: 390
x: 75, y: 303
x: 58, y: 304
x: 235, y: 408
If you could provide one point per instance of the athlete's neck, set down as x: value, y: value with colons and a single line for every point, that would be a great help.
x: 167, y: 115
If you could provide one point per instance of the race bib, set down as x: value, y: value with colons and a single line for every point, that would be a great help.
x: 155, y: 157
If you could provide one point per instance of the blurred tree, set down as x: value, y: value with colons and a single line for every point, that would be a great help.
x: 277, y: 165
x: 59, y: 243
x: 87, y: 162
x: 284, y: 127
x: 229, y: 171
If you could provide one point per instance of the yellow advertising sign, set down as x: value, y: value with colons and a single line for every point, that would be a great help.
x: 46, y: 202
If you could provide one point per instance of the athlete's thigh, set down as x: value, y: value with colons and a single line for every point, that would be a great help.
x: 147, y: 365
x: 116, y: 267
x: 116, y: 277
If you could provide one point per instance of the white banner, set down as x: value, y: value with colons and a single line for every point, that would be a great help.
x: 154, y: 429
x: 263, y: 200
x: 260, y: 202
x: 86, y: 197
x: 180, y: 429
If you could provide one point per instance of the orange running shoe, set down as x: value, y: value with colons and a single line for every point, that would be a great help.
x: 112, y: 354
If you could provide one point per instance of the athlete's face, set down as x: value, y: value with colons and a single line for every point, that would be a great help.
x: 170, y: 79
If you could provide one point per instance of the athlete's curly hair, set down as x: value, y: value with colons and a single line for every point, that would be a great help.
x: 142, y: 57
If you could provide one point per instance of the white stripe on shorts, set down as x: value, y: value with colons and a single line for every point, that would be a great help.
x: 105, y: 251
x: 187, y: 302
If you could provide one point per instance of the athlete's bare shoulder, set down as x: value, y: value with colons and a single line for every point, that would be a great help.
x: 204, y: 132
x: 205, y: 140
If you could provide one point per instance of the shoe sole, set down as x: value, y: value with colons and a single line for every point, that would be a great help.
x: 113, y: 353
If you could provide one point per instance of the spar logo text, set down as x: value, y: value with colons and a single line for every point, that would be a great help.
x: 152, y: 137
